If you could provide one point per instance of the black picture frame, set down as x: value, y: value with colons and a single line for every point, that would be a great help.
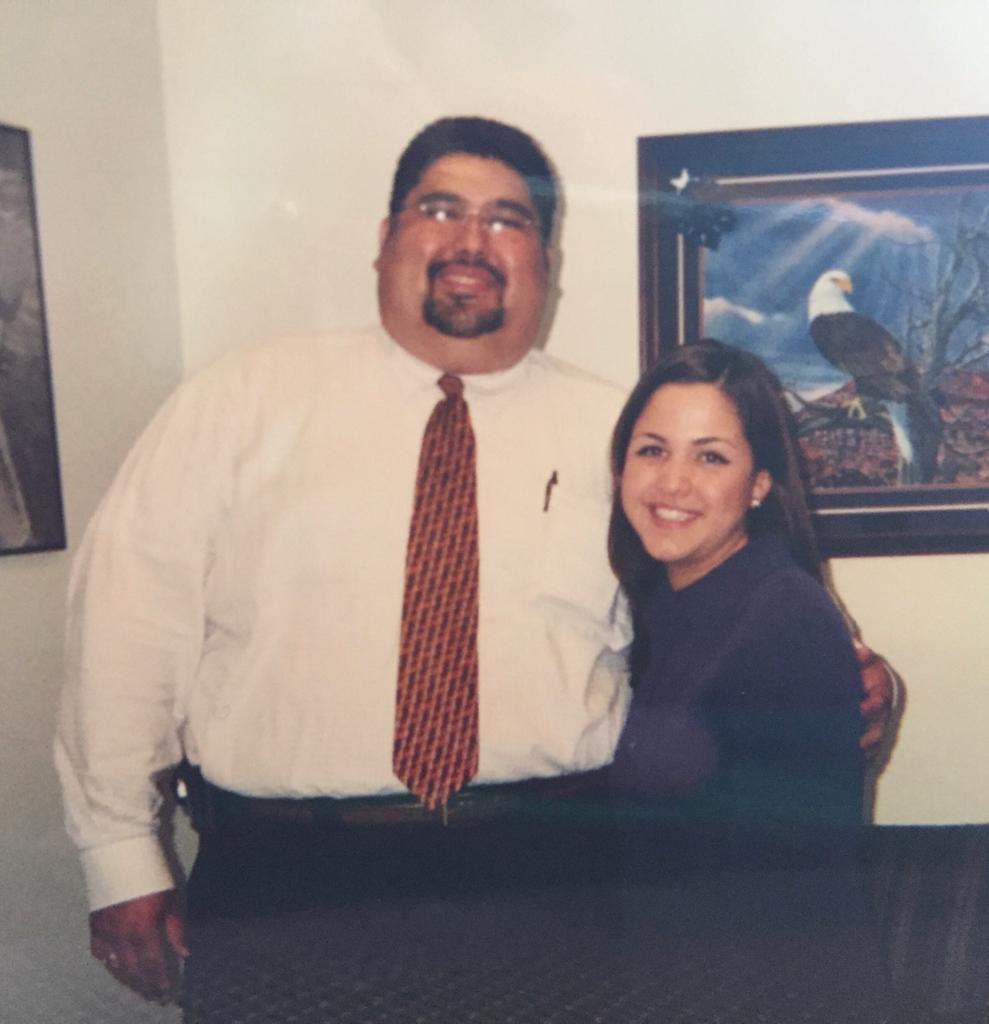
x: 31, y: 514
x: 765, y: 213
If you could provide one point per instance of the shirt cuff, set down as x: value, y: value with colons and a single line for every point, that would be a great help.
x: 125, y: 870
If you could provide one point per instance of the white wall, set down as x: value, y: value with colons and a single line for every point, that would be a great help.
x: 84, y: 78
x: 285, y: 118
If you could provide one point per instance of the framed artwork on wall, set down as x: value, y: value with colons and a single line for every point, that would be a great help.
x: 854, y: 260
x: 31, y: 516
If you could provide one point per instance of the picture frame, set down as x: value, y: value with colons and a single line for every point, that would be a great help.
x: 890, y: 389
x: 31, y: 513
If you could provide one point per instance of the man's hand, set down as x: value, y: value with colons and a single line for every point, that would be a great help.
x: 879, y: 687
x: 138, y: 940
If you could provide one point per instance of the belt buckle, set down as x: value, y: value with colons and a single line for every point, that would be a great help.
x: 457, y: 809
x: 468, y: 806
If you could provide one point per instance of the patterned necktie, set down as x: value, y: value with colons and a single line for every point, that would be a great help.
x: 436, y: 731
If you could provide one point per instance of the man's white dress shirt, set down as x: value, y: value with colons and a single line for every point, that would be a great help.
x: 238, y: 594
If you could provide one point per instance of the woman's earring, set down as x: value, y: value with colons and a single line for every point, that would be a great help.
x: 756, y: 503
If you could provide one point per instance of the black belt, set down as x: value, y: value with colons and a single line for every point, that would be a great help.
x: 214, y: 808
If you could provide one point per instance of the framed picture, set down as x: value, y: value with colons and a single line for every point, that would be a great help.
x: 30, y: 491
x: 854, y: 260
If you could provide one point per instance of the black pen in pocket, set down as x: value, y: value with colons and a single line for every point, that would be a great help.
x: 550, y: 484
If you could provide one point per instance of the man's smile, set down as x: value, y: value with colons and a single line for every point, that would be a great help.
x: 465, y: 274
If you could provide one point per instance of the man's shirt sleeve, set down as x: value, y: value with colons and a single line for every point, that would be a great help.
x: 134, y: 634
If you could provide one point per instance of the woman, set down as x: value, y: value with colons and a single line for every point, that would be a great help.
x: 746, y: 687
x: 739, y: 772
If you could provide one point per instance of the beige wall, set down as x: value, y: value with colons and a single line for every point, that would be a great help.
x: 283, y: 120
x: 84, y: 78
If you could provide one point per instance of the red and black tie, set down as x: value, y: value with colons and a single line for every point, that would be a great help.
x: 436, y: 718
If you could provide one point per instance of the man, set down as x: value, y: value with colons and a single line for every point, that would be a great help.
x: 241, y: 596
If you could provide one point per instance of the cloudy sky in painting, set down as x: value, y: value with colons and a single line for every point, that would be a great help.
x: 757, y: 281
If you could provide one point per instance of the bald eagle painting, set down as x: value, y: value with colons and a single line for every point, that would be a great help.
x: 867, y: 352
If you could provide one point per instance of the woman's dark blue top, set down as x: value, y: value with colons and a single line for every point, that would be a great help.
x: 746, y: 709
x: 740, y: 790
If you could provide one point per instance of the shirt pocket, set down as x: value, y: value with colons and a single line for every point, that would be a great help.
x: 576, y: 580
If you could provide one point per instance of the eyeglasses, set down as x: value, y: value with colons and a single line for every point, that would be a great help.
x: 501, y: 216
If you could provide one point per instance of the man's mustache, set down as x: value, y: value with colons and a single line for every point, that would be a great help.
x: 438, y: 266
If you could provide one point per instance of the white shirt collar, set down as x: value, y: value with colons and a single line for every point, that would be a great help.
x: 413, y: 374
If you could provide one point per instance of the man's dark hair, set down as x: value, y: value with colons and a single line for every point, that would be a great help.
x: 768, y: 427
x: 479, y: 136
